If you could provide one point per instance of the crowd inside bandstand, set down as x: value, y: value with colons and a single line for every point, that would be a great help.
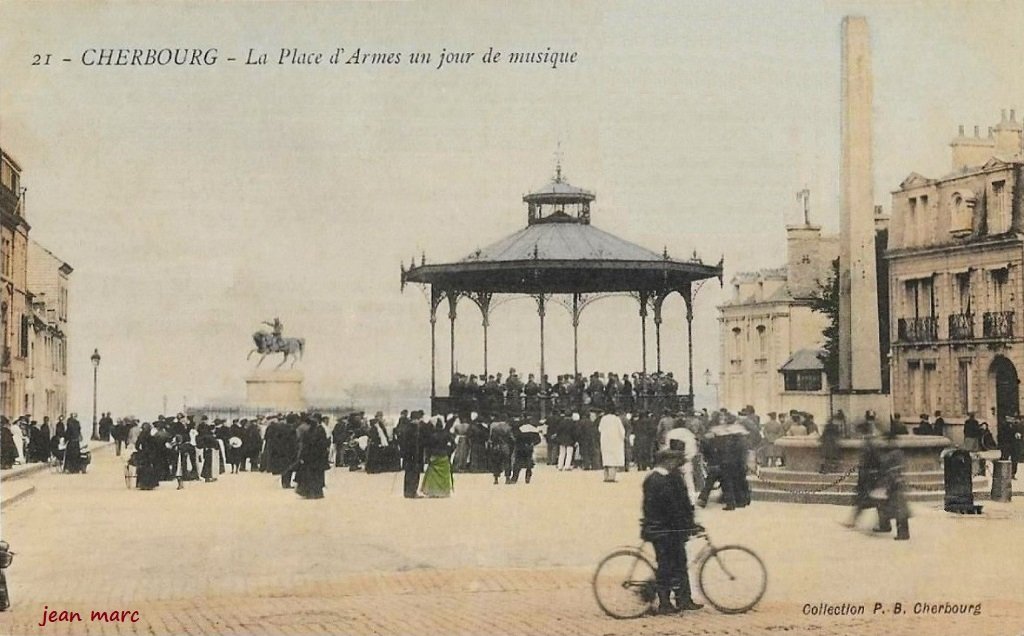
x: 493, y: 394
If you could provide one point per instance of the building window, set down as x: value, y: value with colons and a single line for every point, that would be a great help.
x: 923, y: 220
x: 25, y: 326
x: 5, y: 256
x: 762, y: 340
x: 964, y: 386
x: 920, y: 298
x: 807, y: 380
x: 922, y: 375
x: 962, y: 281
x: 999, y: 217
x: 961, y: 221
x: 999, y: 279
x: 911, y: 229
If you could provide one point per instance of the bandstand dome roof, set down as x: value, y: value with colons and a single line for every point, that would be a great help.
x: 562, y: 241
x: 561, y: 253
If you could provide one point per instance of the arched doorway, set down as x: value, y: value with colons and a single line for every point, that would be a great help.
x: 1004, y: 374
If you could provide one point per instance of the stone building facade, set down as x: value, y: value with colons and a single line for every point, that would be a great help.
x: 33, y: 311
x: 15, y: 318
x: 770, y: 337
x: 48, y: 347
x: 955, y: 258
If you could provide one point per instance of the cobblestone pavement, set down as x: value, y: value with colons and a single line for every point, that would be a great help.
x: 243, y: 556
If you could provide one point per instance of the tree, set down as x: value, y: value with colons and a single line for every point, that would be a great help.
x: 826, y: 301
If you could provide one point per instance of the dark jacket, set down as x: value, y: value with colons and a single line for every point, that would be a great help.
x: 667, y: 506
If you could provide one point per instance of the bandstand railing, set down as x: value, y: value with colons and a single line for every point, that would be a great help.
x: 540, y: 406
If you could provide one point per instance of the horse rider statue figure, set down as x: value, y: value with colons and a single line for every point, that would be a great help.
x: 278, y: 328
x: 275, y: 342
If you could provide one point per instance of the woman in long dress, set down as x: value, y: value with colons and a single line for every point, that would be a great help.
x: 438, y: 481
x: 313, y: 461
x: 460, y: 461
x: 73, y: 451
x: 148, y: 451
x: 8, y: 454
x: 18, y: 437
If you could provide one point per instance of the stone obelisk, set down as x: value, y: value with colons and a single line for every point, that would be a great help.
x: 860, y: 380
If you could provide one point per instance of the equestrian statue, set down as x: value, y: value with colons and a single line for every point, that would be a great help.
x: 273, y: 342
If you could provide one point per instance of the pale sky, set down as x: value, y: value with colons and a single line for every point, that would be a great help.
x: 195, y: 202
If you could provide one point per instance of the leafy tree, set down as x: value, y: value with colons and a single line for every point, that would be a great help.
x: 826, y: 301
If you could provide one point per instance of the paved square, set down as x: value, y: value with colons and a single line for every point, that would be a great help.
x: 243, y: 556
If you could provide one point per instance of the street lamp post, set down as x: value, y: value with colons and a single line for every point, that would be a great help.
x: 708, y: 382
x: 95, y: 369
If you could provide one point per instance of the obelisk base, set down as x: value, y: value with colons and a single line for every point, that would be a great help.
x: 277, y: 390
x: 855, y: 404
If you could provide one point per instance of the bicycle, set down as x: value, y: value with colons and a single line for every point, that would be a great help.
x: 731, y: 577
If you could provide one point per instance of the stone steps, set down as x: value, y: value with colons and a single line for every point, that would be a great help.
x: 845, y: 499
x: 774, y: 484
x: 781, y: 475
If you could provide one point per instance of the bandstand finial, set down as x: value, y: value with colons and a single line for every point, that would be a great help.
x: 558, y: 162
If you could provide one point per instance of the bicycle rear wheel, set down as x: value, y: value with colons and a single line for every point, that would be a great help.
x: 624, y: 584
x: 733, y: 579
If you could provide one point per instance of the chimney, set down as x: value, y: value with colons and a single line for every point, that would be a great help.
x: 975, y: 151
x: 1008, y: 135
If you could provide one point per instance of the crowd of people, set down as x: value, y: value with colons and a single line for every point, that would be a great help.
x: 495, y: 393
x: 28, y: 441
x: 186, y: 448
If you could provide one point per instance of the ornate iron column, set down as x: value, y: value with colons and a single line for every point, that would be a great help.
x: 435, y: 300
x: 575, y: 335
x: 541, y: 300
x: 644, y: 296
x: 453, y: 300
x: 658, y: 301
x: 687, y: 293
x: 483, y: 301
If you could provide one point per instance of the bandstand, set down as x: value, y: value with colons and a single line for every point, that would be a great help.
x: 561, y: 257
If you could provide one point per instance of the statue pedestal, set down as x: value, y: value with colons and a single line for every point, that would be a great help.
x: 278, y: 390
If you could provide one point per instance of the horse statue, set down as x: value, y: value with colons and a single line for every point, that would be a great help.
x: 267, y: 343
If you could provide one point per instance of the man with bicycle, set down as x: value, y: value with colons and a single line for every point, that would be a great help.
x: 668, y: 521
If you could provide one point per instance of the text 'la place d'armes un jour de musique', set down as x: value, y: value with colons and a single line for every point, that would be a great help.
x: 292, y: 56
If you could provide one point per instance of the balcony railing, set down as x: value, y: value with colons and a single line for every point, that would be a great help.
x: 918, y: 329
x: 961, y: 326
x: 998, y: 324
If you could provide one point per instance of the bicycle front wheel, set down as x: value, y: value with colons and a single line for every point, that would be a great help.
x: 624, y: 584
x: 733, y: 579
